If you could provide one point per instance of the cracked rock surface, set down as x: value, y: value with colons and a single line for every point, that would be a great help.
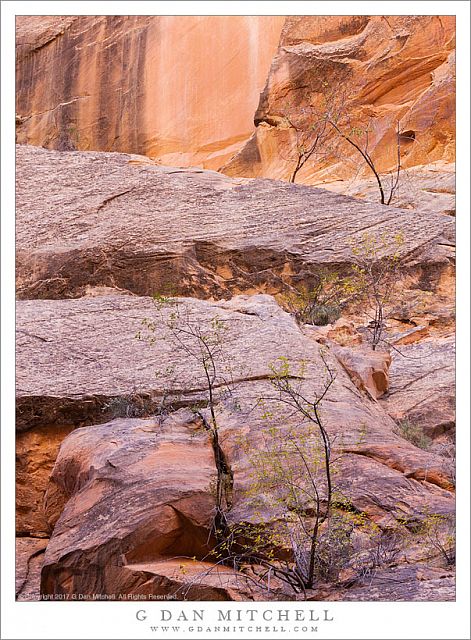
x: 423, y: 385
x: 116, y: 467
x: 113, y: 220
x: 113, y: 464
x: 137, y: 463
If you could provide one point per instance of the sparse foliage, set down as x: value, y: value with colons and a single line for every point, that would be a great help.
x: 358, y: 137
x: 311, y: 133
x: 321, y: 302
x: 291, y: 536
x: 376, y: 548
x: 292, y: 480
x: 447, y: 450
x: 439, y: 534
x: 413, y: 433
x: 334, y: 547
x: 322, y: 127
x: 300, y: 529
x: 203, y: 343
x: 376, y: 261
x: 128, y: 406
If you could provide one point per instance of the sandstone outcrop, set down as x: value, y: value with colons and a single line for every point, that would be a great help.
x: 117, y: 466
x: 124, y: 495
x: 369, y: 370
x: 390, y: 68
x: 95, y: 224
x: 386, y: 68
x: 135, y: 464
x: 422, y: 385
x: 115, y: 220
x: 182, y: 89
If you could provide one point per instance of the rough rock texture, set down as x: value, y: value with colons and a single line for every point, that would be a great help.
x: 420, y: 583
x: 96, y: 219
x: 422, y: 385
x: 114, y: 463
x: 387, y: 68
x: 419, y: 313
x: 369, y: 370
x: 428, y: 188
x: 104, y: 471
x: 187, y: 579
x: 29, y: 562
x: 127, y: 498
x: 342, y: 332
x: 133, y: 502
x: 180, y: 88
x: 36, y: 453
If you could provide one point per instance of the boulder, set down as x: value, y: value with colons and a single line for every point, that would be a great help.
x: 132, y: 509
x: 342, y: 332
x: 117, y: 496
x: 94, y: 220
x: 368, y: 369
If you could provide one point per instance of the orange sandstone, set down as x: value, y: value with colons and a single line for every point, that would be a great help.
x: 181, y: 89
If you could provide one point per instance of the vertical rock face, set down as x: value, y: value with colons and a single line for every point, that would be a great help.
x: 375, y: 69
x: 184, y: 89
x: 180, y: 88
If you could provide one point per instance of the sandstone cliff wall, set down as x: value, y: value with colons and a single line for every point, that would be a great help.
x: 184, y: 89
x: 179, y: 88
x: 119, y: 479
x: 375, y: 71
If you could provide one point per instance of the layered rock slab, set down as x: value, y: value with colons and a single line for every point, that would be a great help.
x: 430, y: 188
x: 88, y: 220
x: 77, y: 354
